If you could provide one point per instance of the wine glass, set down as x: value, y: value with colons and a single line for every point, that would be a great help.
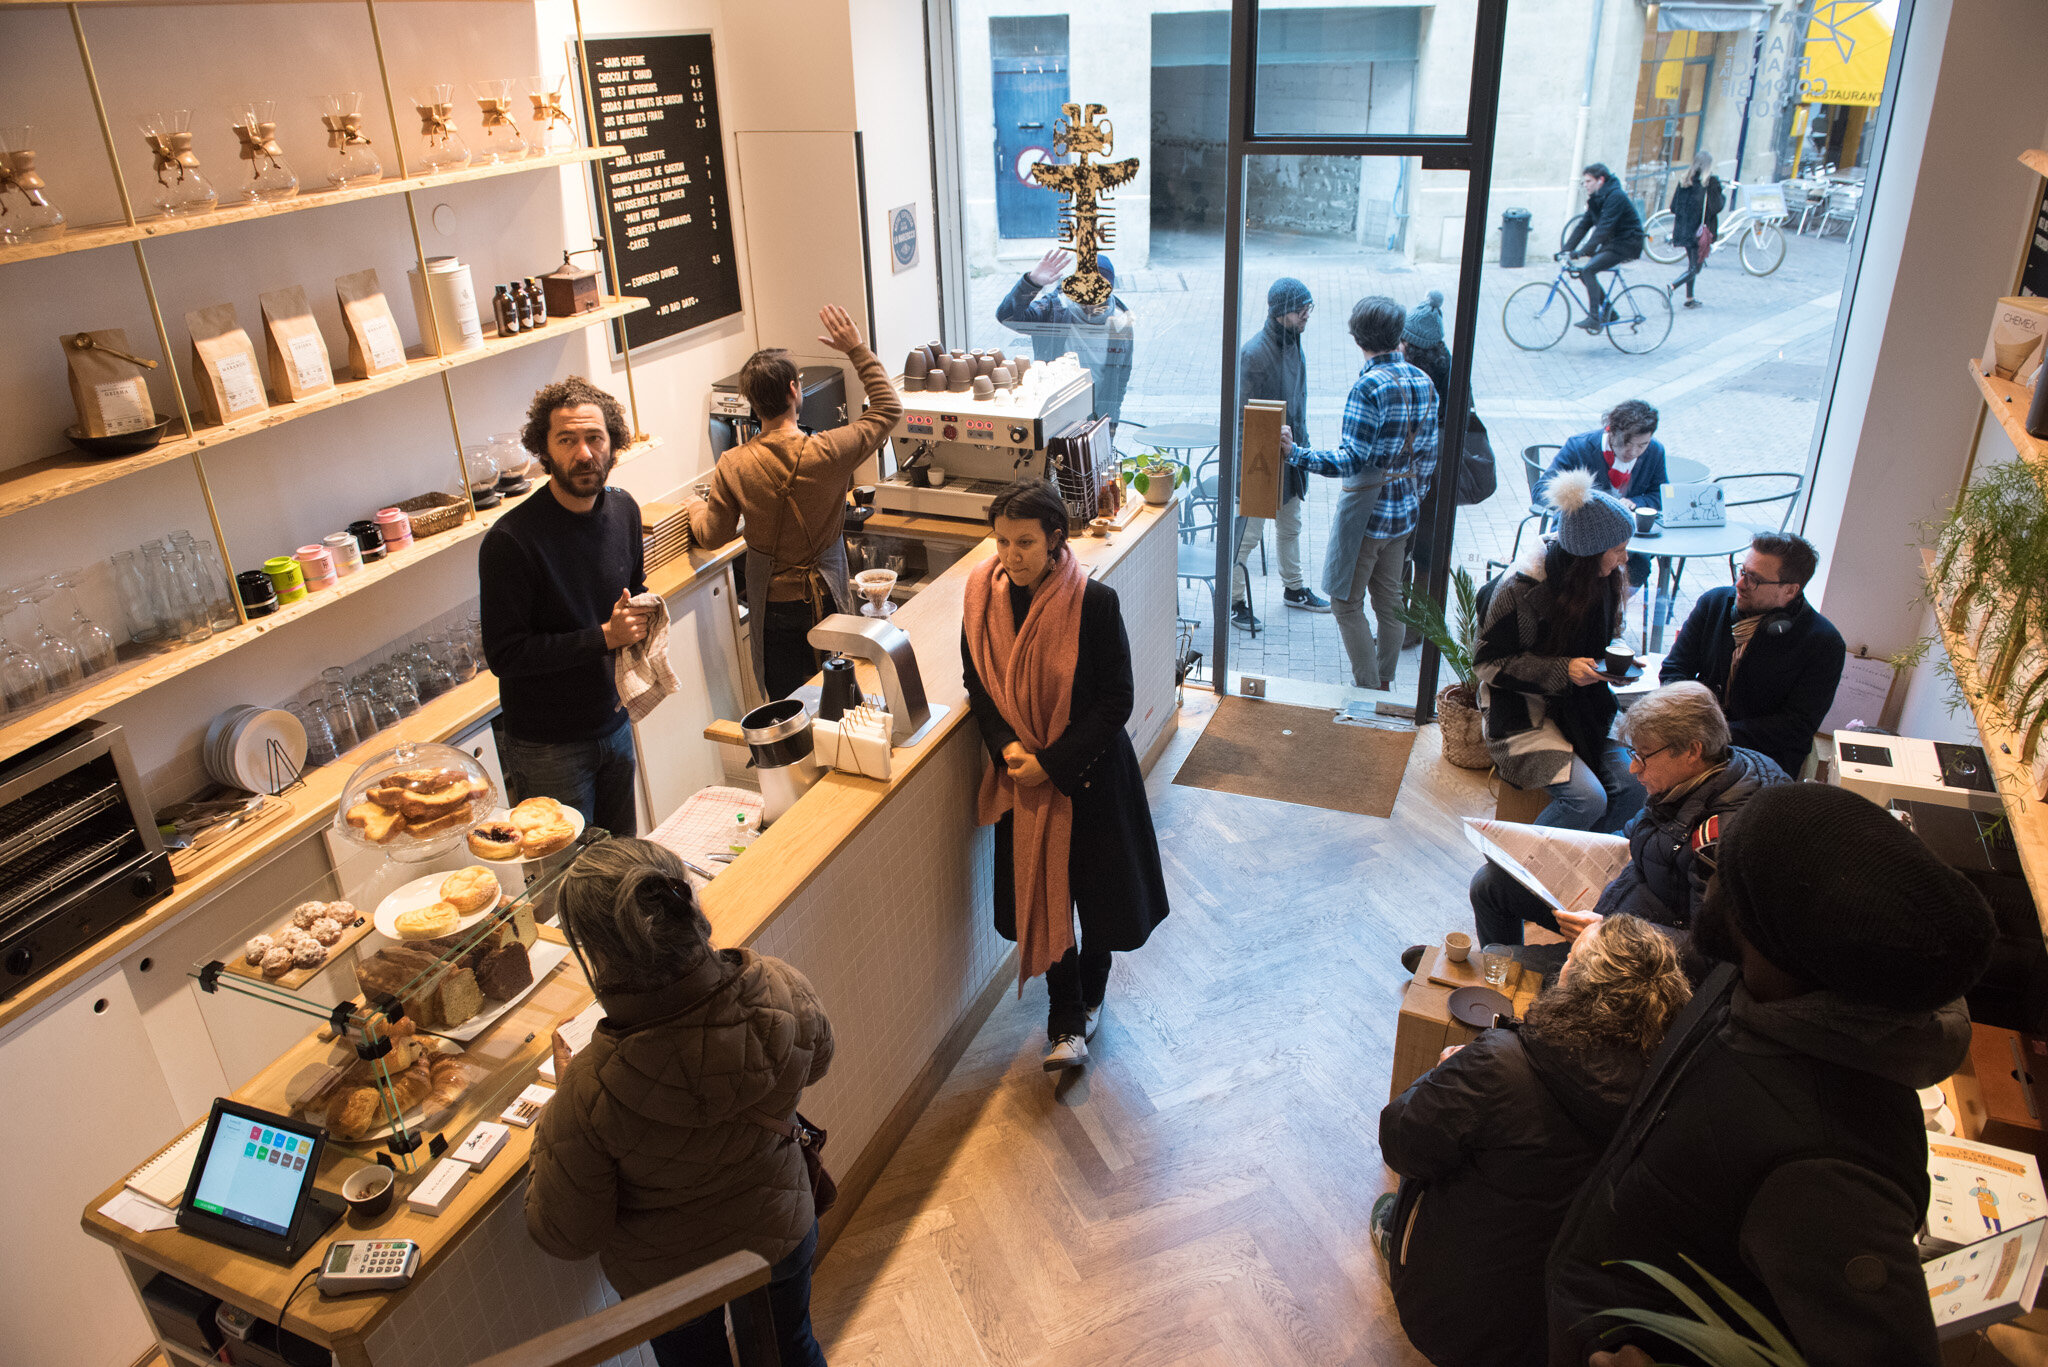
x: 55, y: 656
x: 22, y: 685
x: 95, y: 647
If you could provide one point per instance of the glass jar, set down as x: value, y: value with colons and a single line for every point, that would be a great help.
x: 445, y: 149
x: 220, y: 605
x: 145, y: 626
x: 352, y: 162
x: 34, y: 218
x: 22, y: 686
x: 180, y: 188
x: 180, y: 594
x: 269, y: 179
x: 498, y: 138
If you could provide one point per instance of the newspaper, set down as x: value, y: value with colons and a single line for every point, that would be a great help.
x: 1567, y: 869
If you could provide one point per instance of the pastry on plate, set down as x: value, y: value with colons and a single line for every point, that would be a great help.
x: 505, y: 972
x: 258, y: 946
x: 436, y: 802
x: 545, y: 838
x: 376, y: 822
x: 470, y: 889
x: 427, y: 922
x: 306, y: 913
x: 495, y: 840
x: 344, y: 912
x: 538, y: 811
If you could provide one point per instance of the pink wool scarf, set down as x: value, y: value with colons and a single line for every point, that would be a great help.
x: 1028, y: 671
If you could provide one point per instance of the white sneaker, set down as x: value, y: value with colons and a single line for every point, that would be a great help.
x: 1094, y: 1021
x: 1068, y: 1051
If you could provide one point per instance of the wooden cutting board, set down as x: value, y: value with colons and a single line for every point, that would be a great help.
x: 1444, y: 972
x: 190, y: 863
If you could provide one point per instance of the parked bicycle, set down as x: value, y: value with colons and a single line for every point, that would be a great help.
x: 1757, y: 229
x: 1537, y: 315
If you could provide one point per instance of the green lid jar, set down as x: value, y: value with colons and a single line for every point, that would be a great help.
x: 286, y: 577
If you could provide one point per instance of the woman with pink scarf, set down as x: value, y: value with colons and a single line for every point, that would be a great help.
x: 1048, y: 675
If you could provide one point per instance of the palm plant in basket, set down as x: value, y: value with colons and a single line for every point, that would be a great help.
x: 1456, y: 638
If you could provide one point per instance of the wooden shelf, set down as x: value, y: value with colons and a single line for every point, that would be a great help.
x: 2027, y: 817
x: 2035, y: 160
x: 312, y: 808
x: 112, y: 234
x: 2008, y: 403
x: 71, y: 472
x: 139, y: 676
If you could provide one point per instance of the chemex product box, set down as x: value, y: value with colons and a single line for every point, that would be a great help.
x: 2019, y: 329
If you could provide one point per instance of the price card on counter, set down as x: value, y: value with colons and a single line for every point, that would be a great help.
x: 664, y: 200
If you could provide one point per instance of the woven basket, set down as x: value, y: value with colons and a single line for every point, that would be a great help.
x: 1464, y: 729
x: 435, y: 512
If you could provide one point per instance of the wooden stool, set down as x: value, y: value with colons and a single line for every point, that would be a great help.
x: 1519, y: 804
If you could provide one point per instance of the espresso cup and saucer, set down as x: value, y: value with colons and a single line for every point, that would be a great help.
x: 1619, y: 665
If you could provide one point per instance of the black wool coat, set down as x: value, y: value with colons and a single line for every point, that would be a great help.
x: 1113, y: 865
x: 1787, y: 681
x: 1492, y: 1145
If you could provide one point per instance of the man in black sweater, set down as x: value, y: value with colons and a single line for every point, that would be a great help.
x: 557, y: 576
x: 1771, y: 660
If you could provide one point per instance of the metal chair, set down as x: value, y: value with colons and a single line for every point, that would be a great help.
x: 1844, y: 202
x: 1789, y: 497
x: 1535, y: 459
x: 1197, y: 561
x: 1204, y: 496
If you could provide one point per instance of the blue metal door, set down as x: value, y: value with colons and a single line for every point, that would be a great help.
x: 1028, y: 96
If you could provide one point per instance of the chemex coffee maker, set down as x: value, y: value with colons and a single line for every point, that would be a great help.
x: 974, y: 422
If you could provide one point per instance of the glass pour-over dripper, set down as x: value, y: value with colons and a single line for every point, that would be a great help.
x: 180, y: 187
x: 26, y: 213
x: 255, y: 125
x: 551, y: 128
x: 446, y: 151
x: 353, y: 163
x: 499, y: 139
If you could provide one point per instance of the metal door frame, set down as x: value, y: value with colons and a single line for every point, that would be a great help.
x: 1471, y: 152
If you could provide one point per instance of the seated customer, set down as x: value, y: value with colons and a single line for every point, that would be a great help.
x: 1679, y: 750
x: 1493, y: 1142
x: 1543, y: 630
x: 1771, y: 660
x: 656, y: 1154
x: 1626, y: 460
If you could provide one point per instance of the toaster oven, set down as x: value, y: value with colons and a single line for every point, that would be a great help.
x: 79, y: 850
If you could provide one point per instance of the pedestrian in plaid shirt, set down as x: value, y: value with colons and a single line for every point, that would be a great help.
x: 1386, y: 459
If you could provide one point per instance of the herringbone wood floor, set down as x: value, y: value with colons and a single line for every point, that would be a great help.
x: 1200, y: 1194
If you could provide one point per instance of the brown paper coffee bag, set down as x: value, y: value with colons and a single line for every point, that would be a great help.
x: 293, y: 347
x: 374, y: 346
x: 224, y: 365
x: 111, y: 395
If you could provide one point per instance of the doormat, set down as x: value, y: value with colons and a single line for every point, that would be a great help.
x: 1298, y: 754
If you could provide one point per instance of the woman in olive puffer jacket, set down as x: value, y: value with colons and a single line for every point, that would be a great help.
x: 647, y: 1156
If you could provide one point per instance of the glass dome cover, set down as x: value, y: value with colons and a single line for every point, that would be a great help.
x: 415, y: 800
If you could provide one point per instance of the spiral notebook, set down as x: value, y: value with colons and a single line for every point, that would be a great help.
x: 162, y: 1179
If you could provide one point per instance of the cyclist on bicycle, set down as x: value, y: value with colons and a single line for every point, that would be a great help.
x: 1613, y: 233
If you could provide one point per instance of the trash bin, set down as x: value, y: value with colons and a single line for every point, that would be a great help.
x: 1514, y: 238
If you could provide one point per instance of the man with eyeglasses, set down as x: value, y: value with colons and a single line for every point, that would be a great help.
x: 1693, y: 779
x: 1770, y: 659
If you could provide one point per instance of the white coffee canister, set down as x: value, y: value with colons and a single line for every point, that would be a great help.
x: 454, y: 307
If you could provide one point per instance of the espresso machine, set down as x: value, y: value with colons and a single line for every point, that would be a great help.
x: 732, y: 418
x: 962, y: 436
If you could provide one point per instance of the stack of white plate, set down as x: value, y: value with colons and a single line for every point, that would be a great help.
x: 238, y: 748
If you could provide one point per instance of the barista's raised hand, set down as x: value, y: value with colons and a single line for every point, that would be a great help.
x: 840, y: 333
x: 1050, y: 267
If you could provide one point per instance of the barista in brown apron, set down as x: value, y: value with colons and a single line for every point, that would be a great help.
x: 790, y: 489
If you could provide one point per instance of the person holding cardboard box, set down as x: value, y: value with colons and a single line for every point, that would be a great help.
x: 1270, y: 366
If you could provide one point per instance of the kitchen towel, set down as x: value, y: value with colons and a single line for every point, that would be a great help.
x: 642, y: 672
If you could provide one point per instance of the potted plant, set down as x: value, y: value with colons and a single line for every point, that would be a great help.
x: 1705, y: 1333
x: 1457, y: 704
x: 1155, y: 475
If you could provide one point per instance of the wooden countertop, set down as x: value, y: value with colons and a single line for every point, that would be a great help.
x: 789, y: 854
x: 514, y: 1045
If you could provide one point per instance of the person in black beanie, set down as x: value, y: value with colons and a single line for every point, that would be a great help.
x: 1777, y: 1141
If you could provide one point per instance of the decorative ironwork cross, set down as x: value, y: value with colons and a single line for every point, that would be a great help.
x: 1083, y: 131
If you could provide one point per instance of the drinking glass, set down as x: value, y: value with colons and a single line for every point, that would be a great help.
x: 319, y: 735
x: 145, y: 626
x: 95, y: 647
x: 55, y: 656
x: 445, y: 149
x: 180, y: 189
x: 270, y: 179
x: 399, y: 692
x: 35, y: 219
x: 22, y: 685
x: 353, y: 163
x: 1497, y: 960
x: 498, y: 139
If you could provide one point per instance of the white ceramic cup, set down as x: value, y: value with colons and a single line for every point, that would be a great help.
x: 1457, y: 946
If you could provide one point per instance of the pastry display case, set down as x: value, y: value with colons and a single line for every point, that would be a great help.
x: 396, y: 1020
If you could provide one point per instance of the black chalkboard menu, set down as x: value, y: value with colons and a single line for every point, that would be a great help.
x: 2034, y: 271
x: 664, y: 201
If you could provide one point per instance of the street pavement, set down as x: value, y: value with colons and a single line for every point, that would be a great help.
x: 1738, y: 384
